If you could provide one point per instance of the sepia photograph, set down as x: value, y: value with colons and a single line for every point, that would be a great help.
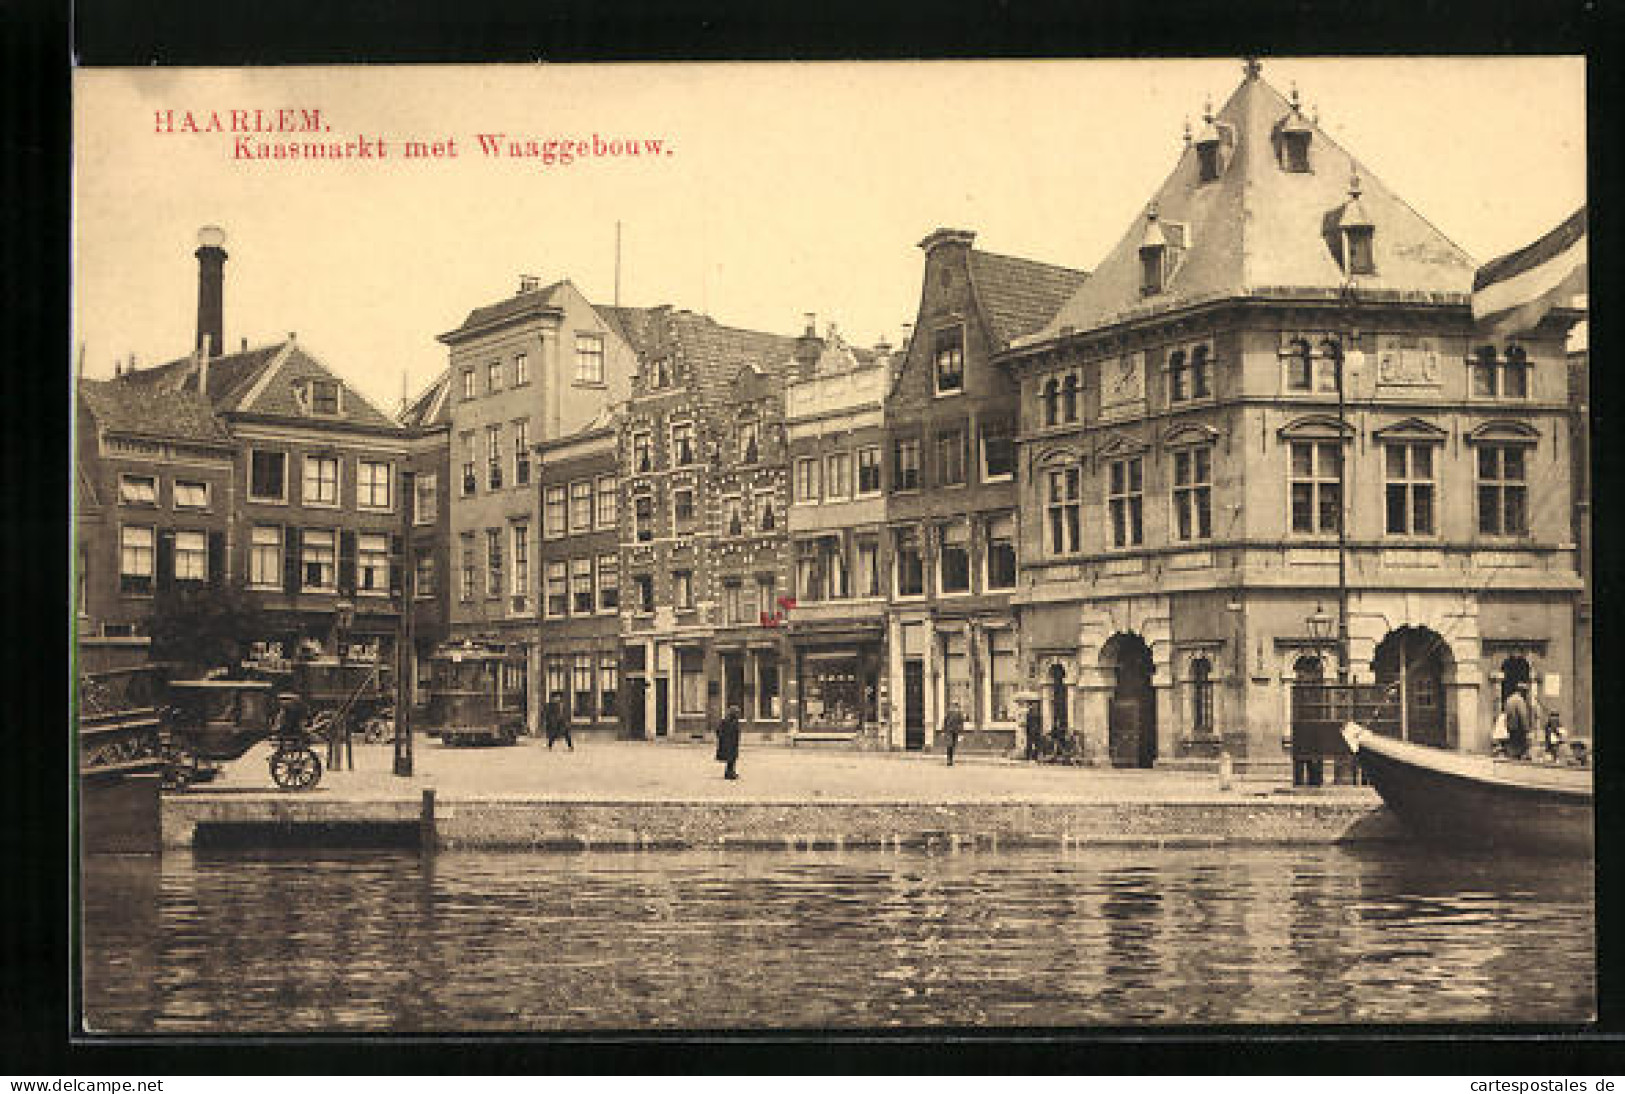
x: 831, y: 547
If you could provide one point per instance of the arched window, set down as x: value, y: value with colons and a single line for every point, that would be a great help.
x: 1202, y: 697
x: 1069, y: 397
x: 1052, y: 401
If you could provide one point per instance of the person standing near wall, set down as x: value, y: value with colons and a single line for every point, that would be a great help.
x: 728, y: 742
x: 952, y: 726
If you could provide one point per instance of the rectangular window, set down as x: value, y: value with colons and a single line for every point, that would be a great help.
x: 950, y: 360
x: 1317, y: 502
x: 609, y: 583
x: 998, y: 452
x: 1126, y: 502
x: 520, y: 533
x: 606, y: 501
x: 372, y: 482
x: 1001, y: 553
x: 809, y: 572
x: 951, y: 458
x: 589, y: 358
x: 324, y: 397
x: 906, y: 465
x: 956, y: 678
x: 1409, y: 494
x: 470, y: 579
x: 750, y: 442
x: 493, y: 562
x: 682, y: 507
x: 869, y: 470
x: 425, y: 576
x: 138, y: 490
x: 136, y: 559
x: 1503, y: 508
x: 1299, y: 376
x: 558, y: 592
x: 1062, y: 506
x: 609, y: 672
x: 493, y: 456
x: 644, y: 587
x: 954, y: 560
x: 191, y: 556
x: 682, y: 584
x: 582, y: 593
x: 833, y: 558
x: 321, y: 480
x: 554, y: 512
x: 766, y: 595
x: 470, y: 481
x: 581, y: 505
x: 682, y: 443
x: 372, y: 564
x: 1193, y: 494
x: 643, y: 518
x: 493, y: 375
x: 733, y: 517
x: 191, y: 495
x: 320, y: 569
x: 558, y: 682
x: 838, y: 475
x: 910, y: 565
x: 468, y: 383
x: 1500, y: 377
x: 521, y: 370
x: 734, y: 608
x: 521, y: 452
x: 807, y: 479
x: 265, y: 556
x: 1005, y: 670
x: 426, y: 486
x: 642, y: 453
x: 583, y: 689
x: 690, y: 682
x: 868, y: 575
x: 267, y: 475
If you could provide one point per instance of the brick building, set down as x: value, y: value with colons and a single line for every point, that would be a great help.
x: 1185, y: 463
x: 578, y: 576
x: 427, y: 421
x: 702, y: 451
x: 952, y: 499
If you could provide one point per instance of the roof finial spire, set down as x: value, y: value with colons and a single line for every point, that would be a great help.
x: 1252, y: 67
x: 1207, y: 107
x: 1354, y: 183
x: 1297, y: 105
x: 1151, y: 213
x: 1187, y: 130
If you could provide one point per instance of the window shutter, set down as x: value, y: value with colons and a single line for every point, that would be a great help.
x: 290, y: 561
x: 347, y: 563
x: 396, y: 566
x: 217, y: 558
x: 165, y: 562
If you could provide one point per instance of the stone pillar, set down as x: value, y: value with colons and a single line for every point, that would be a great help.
x: 895, y: 729
x: 713, y: 683
x: 535, y: 687
x: 933, y: 682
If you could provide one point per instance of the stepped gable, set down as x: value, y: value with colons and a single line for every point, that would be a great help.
x: 1259, y: 230
x: 151, y: 410
x: 1019, y: 295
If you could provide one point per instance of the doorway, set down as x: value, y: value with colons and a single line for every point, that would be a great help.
x: 1059, y: 719
x: 662, y: 706
x: 914, y: 705
x: 1514, y: 671
x: 1132, y: 716
x: 1413, y: 662
x: 636, y: 716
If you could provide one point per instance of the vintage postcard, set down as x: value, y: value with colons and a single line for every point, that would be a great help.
x: 841, y: 546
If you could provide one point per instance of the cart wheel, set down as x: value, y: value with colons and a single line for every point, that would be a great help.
x: 296, y: 768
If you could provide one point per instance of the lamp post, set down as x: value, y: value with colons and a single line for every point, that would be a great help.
x: 405, y: 632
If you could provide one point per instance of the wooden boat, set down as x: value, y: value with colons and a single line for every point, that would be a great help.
x: 1482, y: 801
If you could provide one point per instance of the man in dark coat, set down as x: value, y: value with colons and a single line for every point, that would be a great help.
x: 556, y: 724
x: 952, y: 726
x: 728, y: 742
x: 1520, y: 723
x: 1035, y: 728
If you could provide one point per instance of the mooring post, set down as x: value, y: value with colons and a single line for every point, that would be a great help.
x: 426, y: 833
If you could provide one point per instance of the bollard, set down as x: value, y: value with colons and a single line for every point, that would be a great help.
x: 426, y: 833
x: 1227, y: 769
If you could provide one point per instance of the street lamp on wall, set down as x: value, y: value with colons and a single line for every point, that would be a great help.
x: 1320, y: 624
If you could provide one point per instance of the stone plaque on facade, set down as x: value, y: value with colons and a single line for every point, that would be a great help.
x: 1408, y: 362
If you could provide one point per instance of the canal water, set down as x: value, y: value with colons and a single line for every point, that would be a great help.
x: 382, y: 941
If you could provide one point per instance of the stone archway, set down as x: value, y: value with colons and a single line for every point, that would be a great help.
x: 1418, y: 663
x: 1131, y: 722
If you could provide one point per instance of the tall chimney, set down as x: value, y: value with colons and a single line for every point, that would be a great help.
x: 809, y: 348
x: 211, y: 276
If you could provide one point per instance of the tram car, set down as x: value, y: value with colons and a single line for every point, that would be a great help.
x: 476, y: 695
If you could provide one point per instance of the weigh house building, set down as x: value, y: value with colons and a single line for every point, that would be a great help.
x: 1185, y: 461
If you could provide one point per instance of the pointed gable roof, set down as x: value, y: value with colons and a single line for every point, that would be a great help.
x: 1019, y: 295
x: 522, y: 305
x: 148, y: 410
x: 1261, y: 230
x: 432, y: 408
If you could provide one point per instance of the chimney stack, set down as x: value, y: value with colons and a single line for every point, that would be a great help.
x: 529, y: 283
x: 809, y: 348
x: 211, y: 276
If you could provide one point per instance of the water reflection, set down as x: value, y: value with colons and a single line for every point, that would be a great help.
x: 378, y: 941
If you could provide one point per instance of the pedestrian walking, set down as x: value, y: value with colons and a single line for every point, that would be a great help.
x: 556, y: 724
x: 1035, y: 728
x: 952, y: 726
x: 1520, y: 722
x: 728, y: 742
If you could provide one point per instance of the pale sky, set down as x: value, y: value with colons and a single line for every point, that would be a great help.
x: 790, y: 188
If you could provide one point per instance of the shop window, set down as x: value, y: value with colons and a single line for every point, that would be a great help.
x: 956, y: 679
x: 767, y: 690
x: 1005, y: 672
x: 690, y: 682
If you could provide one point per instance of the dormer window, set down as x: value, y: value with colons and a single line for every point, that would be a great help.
x: 1207, y: 159
x: 1152, y: 258
x: 1159, y: 252
x: 321, y: 397
x: 1295, y: 137
x: 1210, y: 147
x: 1359, y: 233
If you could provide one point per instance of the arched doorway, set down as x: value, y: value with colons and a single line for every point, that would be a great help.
x: 1132, y: 717
x: 1514, y: 671
x: 1057, y: 698
x: 1416, y: 662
